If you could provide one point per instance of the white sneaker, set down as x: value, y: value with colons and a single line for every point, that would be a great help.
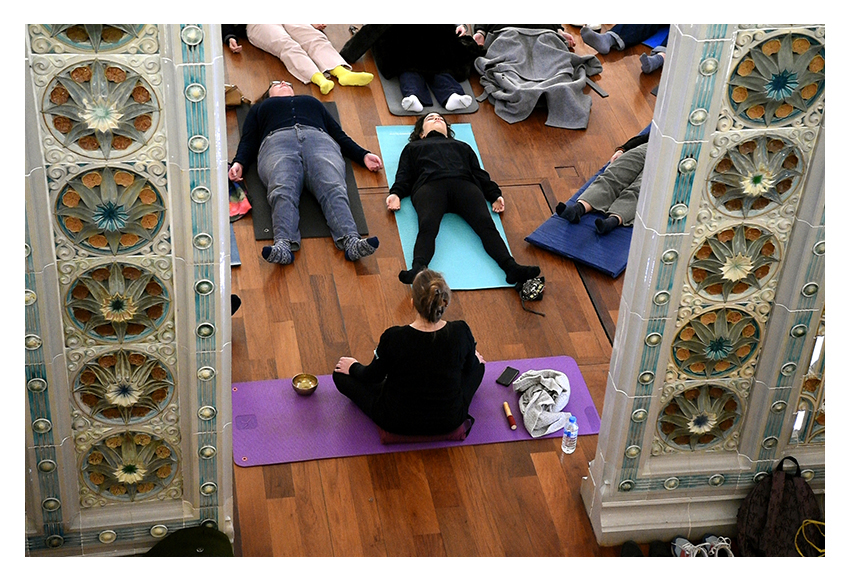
x: 682, y: 548
x: 718, y: 547
x: 594, y: 27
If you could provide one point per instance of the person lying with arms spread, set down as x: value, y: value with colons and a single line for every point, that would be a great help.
x: 296, y: 142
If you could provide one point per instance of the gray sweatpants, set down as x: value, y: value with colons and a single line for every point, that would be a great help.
x: 616, y: 189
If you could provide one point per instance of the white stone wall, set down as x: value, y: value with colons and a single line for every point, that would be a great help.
x: 128, y: 284
x: 724, y: 290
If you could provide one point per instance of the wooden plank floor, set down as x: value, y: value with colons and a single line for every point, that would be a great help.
x: 517, y: 499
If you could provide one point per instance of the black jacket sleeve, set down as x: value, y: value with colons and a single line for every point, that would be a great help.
x: 488, y: 186
x: 635, y: 142
x: 471, y: 359
x: 236, y: 31
x: 405, y: 176
x: 376, y: 371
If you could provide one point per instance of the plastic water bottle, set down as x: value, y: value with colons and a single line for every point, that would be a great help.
x: 568, y: 443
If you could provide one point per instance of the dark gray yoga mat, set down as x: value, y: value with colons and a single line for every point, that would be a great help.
x: 392, y: 93
x: 313, y: 224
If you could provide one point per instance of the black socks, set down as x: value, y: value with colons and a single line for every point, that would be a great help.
x: 516, y: 273
x: 408, y: 276
x: 607, y: 224
x: 572, y: 211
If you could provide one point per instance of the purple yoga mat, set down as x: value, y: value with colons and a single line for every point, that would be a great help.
x: 272, y: 424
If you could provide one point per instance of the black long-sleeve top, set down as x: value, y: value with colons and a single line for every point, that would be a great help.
x: 236, y: 31
x: 435, y: 157
x: 424, y: 371
x: 278, y: 112
x: 635, y: 142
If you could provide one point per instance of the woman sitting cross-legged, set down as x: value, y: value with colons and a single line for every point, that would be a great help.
x: 424, y: 375
x: 442, y: 174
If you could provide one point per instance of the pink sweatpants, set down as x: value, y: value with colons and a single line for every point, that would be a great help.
x: 303, y: 49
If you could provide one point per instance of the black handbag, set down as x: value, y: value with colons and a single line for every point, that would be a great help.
x: 531, y: 290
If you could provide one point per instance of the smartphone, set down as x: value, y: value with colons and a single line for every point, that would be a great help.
x: 508, y: 376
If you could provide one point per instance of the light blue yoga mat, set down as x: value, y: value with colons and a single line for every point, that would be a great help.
x: 459, y: 254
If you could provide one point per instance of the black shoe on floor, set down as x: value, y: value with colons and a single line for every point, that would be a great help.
x: 631, y: 550
x: 659, y: 549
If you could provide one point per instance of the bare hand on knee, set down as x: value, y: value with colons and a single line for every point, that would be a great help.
x: 344, y: 365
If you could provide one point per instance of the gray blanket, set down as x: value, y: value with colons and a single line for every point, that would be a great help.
x: 522, y: 65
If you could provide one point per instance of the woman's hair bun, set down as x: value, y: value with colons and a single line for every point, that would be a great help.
x: 431, y: 295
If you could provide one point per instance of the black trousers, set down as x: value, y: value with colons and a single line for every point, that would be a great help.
x: 442, y: 84
x: 465, y: 199
x: 367, y: 397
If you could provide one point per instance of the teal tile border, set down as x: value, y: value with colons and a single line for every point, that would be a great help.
x: 205, y: 257
x: 205, y: 260
x: 38, y: 402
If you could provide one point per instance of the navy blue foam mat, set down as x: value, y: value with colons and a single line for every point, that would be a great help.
x: 580, y: 242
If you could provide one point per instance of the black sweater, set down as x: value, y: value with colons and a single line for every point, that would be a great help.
x: 278, y: 112
x: 635, y: 142
x: 424, y: 372
x: 435, y: 157
x: 236, y: 31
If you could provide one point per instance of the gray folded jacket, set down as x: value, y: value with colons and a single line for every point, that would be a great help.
x: 543, y: 395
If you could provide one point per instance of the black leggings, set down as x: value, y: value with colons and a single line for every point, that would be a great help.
x: 436, y: 198
x: 367, y: 397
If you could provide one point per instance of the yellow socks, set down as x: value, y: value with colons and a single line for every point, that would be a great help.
x: 345, y: 77
x: 325, y: 84
x: 350, y: 78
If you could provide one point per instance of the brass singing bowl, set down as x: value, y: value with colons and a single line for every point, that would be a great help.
x: 305, y: 384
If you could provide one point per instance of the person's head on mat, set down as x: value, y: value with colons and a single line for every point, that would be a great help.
x: 277, y: 89
x: 281, y: 89
x: 431, y: 295
x: 428, y: 123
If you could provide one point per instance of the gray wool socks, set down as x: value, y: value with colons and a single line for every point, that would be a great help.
x: 279, y: 253
x: 357, y: 248
x: 602, y: 42
x: 649, y: 63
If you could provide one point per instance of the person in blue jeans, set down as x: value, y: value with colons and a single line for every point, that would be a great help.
x: 297, y: 143
x: 623, y: 36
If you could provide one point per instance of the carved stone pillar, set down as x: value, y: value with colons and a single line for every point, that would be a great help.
x: 723, y: 300
x: 127, y: 287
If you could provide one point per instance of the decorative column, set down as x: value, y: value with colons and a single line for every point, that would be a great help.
x: 127, y: 287
x: 719, y: 342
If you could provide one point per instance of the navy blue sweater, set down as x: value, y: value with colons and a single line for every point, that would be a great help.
x: 278, y: 112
